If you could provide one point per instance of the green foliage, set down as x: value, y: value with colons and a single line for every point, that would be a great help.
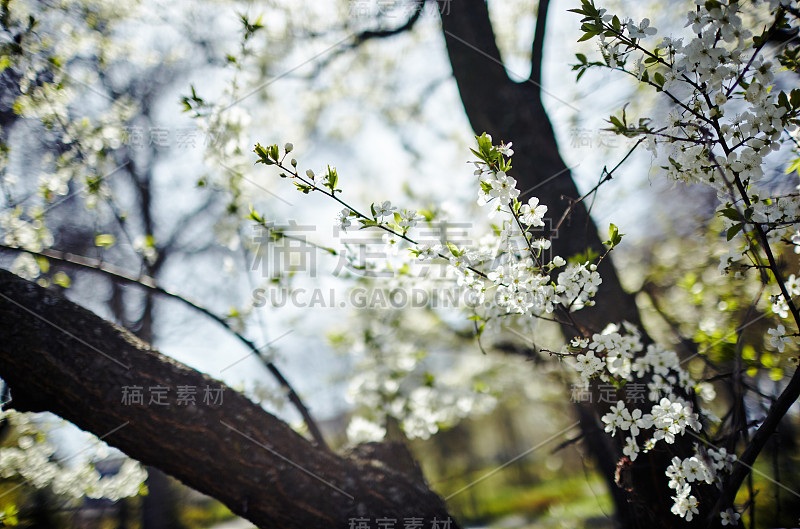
x: 194, y: 103
x: 490, y: 154
x: 589, y: 256
x: 8, y: 518
x: 104, y: 240
x: 620, y: 125
x: 614, y: 236
x: 331, y: 179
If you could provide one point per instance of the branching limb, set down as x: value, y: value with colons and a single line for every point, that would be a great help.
x: 148, y: 283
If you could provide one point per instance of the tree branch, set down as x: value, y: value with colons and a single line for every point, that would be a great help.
x: 383, y: 33
x: 476, y: 62
x: 149, y: 283
x: 59, y: 357
x: 372, y: 34
x: 537, y: 49
x: 748, y: 458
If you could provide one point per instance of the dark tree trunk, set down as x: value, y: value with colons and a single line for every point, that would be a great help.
x: 513, y: 111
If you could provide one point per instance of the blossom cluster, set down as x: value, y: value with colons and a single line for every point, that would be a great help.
x: 616, y: 356
x: 727, y: 119
x: 512, y: 267
x: 393, y: 381
x: 32, y: 459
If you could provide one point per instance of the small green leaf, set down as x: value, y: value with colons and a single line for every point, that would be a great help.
x: 733, y: 230
x: 263, y: 155
x: 783, y: 100
x: 367, y: 223
x: 794, y: 166
x: 730, y: 213
x: 61, y: 279
x: 614, y: 236
x: 306, y: 189
x: 104, y: 240
x: 255, y: 216
x: 331, y: 179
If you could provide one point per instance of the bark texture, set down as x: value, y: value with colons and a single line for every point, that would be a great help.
x: 59, y: 357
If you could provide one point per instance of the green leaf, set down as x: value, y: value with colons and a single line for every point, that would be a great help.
x: 730, y: 213
x: 367, y: 223
x: 104, y: 240
x: 331, y: 179
x: 61, y: 279
x: 43, y: 263
x: 614, y: 236
x: 306, y: 189
x: 255, y: 216
x: 584, y: 257
x: 733, y: 230
x: 783, y: 100
x: 794, y: 166
x: 484, y: 146
x: 427, y: 214
x: 454, y: 249
x: 263, y: 155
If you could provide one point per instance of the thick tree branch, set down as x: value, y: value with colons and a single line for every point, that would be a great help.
x: 537, y: 49
x: 149, y: 284
x: 476, y: 62
x: 59, y: 357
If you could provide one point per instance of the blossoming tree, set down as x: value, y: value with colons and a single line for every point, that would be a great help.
x: 725, y: 121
